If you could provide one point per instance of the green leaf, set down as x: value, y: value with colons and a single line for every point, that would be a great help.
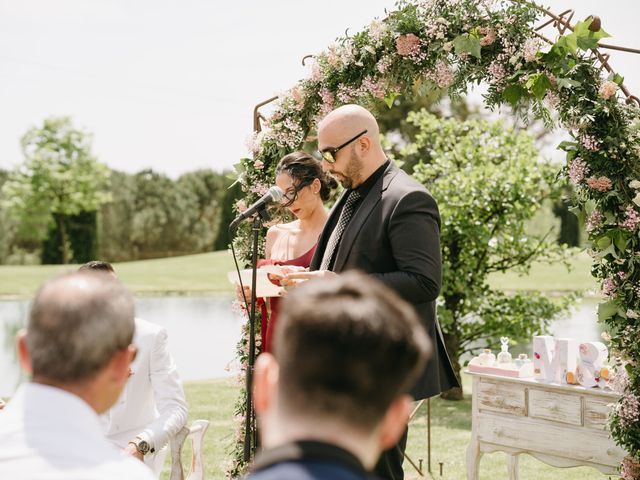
x: 568, y: 146
x: 617, y: 78
x: 607, y: 310
x: 585, y: 38
x: 568, y: 43
x: 603, y: 242
x: 539, y: 83
x: 567, y: 83
x: 467, y: 43
x: 621, y: 240
x: 390, y: 97
x: 513, y: 93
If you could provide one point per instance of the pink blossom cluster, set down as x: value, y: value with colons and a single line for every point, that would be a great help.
x: 408, y: 46
x: 578, y: 170
x: 619, y: 381
x: 375, y: 88
x: 608, y: 287
x: 497, y: 71
x: 384, y: 63
x: 594, y: 220
x: 297, y: 96
x: 590, y: 143
x: 316, y: 71
x: 287, y: 133
x: 488, y: 36
x: 377, y: 31
x: 601, y: 184
x: 632, y: 219
x: 530, y: 49
x: 347, y: 93
x: 437, y: 29
x: 253, y: 143
x: 259, y: 188
x: 607, y: 89
x: 628, y: 409
x: 441, y: 75
x: 630, y: 469
x: 552, y: 99
x: 327, y: 101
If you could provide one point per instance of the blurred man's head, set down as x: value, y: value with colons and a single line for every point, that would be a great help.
x: 97, y: 266
x: 346, y: 352
x: 79, y: 336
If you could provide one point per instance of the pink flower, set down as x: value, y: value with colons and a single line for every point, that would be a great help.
x: 408, y: 45
x: 497, y: 71
x: 489, y: 36
x: 258, y: 164
x: 443, y: 75
x: 608, y: 287
x: 628, y: 409
x: 254, y: 143
x: 632, y: 219
x: 594, y: 220
x: 590, y: 143
x: 601, y: 184
x: 298, y: 97
x: 375, y: 88
x: 578, y: 169
x: 384, y: 63
x: 377, y: 30
x: 316, y: 71
x: 530, y: 49
x: 630, y: 469
x: 608, y: 89
x: 552, y: 99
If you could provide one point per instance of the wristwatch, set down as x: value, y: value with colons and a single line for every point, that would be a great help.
x: 142, y: 446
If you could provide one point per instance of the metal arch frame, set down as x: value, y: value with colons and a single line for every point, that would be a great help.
x: 562, y: 23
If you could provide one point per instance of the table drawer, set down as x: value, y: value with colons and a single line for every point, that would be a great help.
x: 596, y: 412
x: 555, y: 407
x: 501, y: 397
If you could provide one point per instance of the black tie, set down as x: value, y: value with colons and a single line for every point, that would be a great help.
x: 343, y: 221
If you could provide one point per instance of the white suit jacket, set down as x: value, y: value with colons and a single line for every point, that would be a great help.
x: 152, y: 405
x: 49, y: 433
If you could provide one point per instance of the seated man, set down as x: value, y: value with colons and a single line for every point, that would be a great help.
x: 152, y: 407
x: 77, y: 348
x: 332, y: 396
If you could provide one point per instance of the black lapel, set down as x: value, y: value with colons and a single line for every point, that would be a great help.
x: 360, y: 216
x: 324, y: 236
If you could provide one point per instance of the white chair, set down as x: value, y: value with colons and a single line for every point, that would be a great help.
x: 196, y: 470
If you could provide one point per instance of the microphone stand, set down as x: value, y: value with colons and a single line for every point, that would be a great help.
x: 250, y: 430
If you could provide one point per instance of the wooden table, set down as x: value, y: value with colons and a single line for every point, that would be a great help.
x: 560, y: 425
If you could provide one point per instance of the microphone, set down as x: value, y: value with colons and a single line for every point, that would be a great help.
x: 273, y: 195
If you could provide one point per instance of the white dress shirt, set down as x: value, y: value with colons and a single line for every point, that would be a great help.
x: 50, y: 434
x: 152, y: 405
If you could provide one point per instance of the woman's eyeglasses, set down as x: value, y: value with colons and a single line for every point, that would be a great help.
x: 291, y: 194
x: 329, y: 153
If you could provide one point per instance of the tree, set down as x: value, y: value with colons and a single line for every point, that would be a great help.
x: 59, y: 179
x: 489, y: 183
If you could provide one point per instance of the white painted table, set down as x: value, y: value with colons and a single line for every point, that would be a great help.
x: 560, y: 425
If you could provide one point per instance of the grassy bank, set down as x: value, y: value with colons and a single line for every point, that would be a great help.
x: 451, y: 430
x: 207, y: 273
x: 190, y: 274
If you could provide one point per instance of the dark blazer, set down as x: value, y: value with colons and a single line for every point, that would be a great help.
x: 394, y: 236
x: 308, y: 460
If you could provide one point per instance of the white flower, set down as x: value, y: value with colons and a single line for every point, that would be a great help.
x: 635, y: 184
x: 493, y: 243
x: 632, y: 314
x: 636, y: 199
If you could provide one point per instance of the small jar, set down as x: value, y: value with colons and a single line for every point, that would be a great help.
x: 521, y: 360
x: 487, y: 358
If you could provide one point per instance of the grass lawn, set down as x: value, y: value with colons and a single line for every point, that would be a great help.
x: 451, y: 430
x: 202, y: 273
x: 207, y: 273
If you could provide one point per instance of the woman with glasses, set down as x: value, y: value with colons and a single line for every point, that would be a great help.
x: 306, y: 187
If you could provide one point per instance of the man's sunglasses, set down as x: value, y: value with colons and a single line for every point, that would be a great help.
x: 329, y: 153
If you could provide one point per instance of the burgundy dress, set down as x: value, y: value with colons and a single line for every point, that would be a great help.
x: 268, y: 322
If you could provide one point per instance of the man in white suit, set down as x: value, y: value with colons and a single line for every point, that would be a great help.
x: 152, y: 407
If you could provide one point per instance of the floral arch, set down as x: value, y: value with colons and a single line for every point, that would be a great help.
x: 447, y: 44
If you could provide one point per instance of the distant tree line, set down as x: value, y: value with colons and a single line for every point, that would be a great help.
x: 63, y: 206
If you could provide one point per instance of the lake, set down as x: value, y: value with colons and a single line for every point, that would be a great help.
x: 203, y: 333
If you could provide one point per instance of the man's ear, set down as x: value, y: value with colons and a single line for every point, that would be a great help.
x: 265, y: 382
x: 23, y: 352
x: 395, y: 421
x: 365, y: 144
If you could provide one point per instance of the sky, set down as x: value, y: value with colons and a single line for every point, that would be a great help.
x: 171, y: 85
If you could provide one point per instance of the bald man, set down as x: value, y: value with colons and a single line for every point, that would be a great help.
x: 387, y: 225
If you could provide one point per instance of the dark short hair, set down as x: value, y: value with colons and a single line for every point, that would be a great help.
x: 303, y: 170
x: 97, y: 265
x: 347, y: 347
x: 76, y: 323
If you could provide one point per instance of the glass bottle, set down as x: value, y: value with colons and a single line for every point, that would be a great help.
x: 487, y: 358
x: 504, y: 357
x: 521, y: 360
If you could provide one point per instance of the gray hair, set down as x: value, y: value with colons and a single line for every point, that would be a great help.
x: 77, y: 322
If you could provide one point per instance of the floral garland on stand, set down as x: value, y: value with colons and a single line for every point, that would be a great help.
x: 445, y: 45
